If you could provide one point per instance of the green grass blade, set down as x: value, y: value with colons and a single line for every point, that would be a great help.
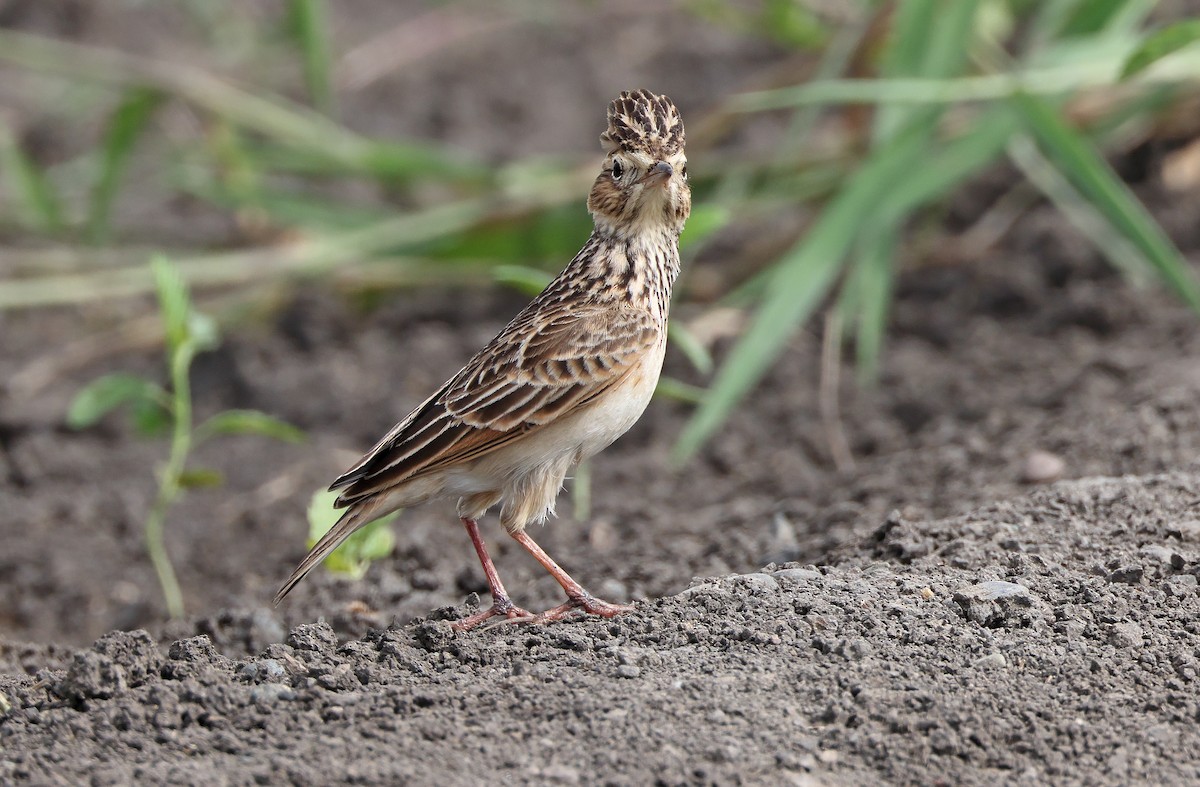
x: 802, y: 278
x: 1157, y: 46
x: 1096, y: 16
x: 29, y: 185
x: 875, y: 271
x: 950, y: 163
x: 127, y: 124
x: 930, y: 40
x: 687, y: 343
x: 309, y: 26
x: 1120, y: 253
x: 522, y: 278
x: 1083, y: 166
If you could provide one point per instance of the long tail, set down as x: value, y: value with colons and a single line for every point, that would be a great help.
x: 354, y: 518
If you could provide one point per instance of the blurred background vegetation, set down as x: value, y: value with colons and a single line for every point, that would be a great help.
x: 258, y: 147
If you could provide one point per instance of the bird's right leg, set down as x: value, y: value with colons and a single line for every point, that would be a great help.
x: 501, y: 604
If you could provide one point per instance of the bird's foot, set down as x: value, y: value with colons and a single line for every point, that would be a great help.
x: 501, y: 608
x: 584, y: 603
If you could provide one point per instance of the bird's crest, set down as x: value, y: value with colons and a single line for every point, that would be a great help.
x: 640, y: 120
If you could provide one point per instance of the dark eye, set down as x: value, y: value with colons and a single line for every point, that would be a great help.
x: 684, y: 172
x: 617, y: 170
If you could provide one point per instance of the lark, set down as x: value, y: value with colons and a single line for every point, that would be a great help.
x: 569, y: 375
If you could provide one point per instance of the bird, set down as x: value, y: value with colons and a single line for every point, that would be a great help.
x: 571, y: 373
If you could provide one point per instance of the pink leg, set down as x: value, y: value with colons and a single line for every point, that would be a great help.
x: 579, y: 598
x: 501, y: 603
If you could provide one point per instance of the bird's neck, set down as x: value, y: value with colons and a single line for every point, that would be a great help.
x: 636, y: 268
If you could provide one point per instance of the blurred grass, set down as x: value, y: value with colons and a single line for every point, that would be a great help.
x: 920, y: 96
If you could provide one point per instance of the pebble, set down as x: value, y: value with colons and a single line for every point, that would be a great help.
x: 1189, y: 529
x: 1127, y: 575
x: 994, y: 589
x: 1042, y: 467
x: 628, y: 671
x: 1126, y: 635
x: 796, y: 574
x: 703, y: 587
x: 992, y: 661
x: 272, y: 692
x: 760, y: 582
x: 317, y: 637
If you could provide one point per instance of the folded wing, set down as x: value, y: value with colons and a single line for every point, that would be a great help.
x: 540, y: 368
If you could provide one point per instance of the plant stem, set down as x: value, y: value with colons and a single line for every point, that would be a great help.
x: 169, y: 482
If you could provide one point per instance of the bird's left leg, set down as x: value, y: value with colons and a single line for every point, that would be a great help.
x: 579, y: 598
x: 501, y: 604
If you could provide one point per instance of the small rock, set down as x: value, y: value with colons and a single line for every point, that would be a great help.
x: 1128, y: 575
x: 995, y: 604
x: 1189, y: 530
x: 340, y: 678
x: 995, y: 589
x: 269, y: 693
x: 271, y: 668
x: 628, y: 671
x: 796, y: 575
x: 761, y: 583
x: 991, y: 661
x: 193, y: 649
x: 1126, y: 635
x: 703, y: 587
x: 317, y: 637
x: 1042, y: 467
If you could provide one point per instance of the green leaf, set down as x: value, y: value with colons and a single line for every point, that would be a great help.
x: 151, y: 418
x: 103, y: 395
x: 370, y: 542
x: 173, y: 301
x: 248, y: 422
x: 690, y: 346
x: 127, y: 124
x: 29, y: 186
x: 1087, y: 170
x: 200, y: 478
x: 1160, y: 44
x: 309, y: 25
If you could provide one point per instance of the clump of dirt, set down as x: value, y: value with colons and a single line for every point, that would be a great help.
x: 1048, y: 638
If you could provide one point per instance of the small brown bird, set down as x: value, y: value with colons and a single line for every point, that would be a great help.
x: 568, y: 376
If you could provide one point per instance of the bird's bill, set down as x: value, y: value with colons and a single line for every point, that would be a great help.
x: 659, y: 174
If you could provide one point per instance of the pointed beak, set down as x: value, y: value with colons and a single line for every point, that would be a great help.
x: 659, y: 174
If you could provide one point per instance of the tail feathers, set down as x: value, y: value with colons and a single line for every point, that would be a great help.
x: 352, y: 520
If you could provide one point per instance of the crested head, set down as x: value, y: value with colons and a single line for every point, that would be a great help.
x: 642, y: 185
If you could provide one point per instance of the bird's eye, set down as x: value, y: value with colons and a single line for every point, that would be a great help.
x: 617, y: 169
x: 683, y: 172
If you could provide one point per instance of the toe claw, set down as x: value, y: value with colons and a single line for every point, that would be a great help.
x: 505, y: 610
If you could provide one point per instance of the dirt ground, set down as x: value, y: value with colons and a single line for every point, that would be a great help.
x: 925, y: 617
